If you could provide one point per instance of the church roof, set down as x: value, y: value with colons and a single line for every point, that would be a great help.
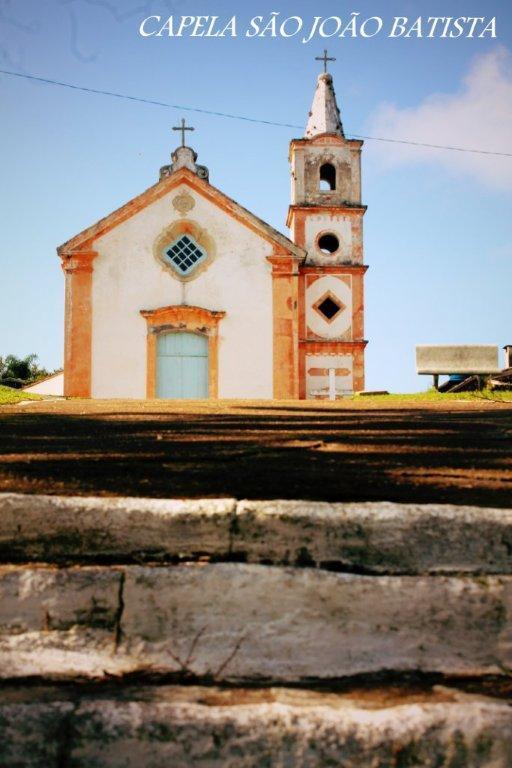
x: 86, y: 238
x: 324, y: 116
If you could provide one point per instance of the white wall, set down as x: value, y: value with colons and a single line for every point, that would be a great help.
x: 341, y: 226
x: 52, y: 385
x: 127, y: 278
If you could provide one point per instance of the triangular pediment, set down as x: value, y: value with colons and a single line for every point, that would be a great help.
x: 85, y: 239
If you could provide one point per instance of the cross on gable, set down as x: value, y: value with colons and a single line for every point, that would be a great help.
x: 183, y: 128
x: 325, y: 58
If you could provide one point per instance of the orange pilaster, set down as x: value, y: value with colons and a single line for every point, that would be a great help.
x: 298, y: 227
x: 358, y: 306
x: 78, y: 323
x: 358, y: 371
x: 285, y: 292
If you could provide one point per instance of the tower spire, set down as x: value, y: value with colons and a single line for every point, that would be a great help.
x: 324, y: 116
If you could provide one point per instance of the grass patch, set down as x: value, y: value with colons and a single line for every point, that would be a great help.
x: 432, y: 395
x: 10, y: 396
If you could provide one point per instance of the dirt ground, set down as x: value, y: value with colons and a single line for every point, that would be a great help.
x: 457, y: 452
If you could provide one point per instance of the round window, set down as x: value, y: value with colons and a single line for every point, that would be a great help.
x: 328, y: 243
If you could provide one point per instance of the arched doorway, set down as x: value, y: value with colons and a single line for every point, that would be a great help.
x: 182, y: 365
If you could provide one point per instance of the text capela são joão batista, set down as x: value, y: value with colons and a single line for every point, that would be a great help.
x: 355, y: 24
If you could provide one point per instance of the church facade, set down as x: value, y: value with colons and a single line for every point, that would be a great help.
x: 183, y: 293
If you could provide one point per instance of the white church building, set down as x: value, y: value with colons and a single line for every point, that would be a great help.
x: 183, y: 293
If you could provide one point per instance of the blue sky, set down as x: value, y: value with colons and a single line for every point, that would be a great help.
x: 438, y: 227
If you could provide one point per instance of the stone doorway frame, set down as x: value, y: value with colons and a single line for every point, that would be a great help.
x: 183, y: 318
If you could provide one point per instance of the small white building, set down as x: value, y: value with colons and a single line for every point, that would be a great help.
x: 183, y: 293
x: 50, y: 385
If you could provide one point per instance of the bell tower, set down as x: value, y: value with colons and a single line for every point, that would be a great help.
x: 326, y: 218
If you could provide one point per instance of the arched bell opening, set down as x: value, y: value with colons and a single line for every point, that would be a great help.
x: 327, y: 177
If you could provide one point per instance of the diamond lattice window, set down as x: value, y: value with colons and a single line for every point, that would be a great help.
x: 184, y: 254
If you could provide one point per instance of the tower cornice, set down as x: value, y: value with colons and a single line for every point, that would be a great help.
x: 350, y: 208
x: 336, y: 269
x: 323, y: 139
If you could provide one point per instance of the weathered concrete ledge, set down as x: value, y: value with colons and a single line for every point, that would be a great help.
x: 376, y: 537
x: 239, y: 622
x: 180, y: 727
x: 49, y: 528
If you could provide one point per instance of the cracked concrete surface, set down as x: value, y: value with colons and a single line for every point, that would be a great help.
x: 177, y: 726
x: 286, y: 624
x: 373, y: 537
x: 104, y: 602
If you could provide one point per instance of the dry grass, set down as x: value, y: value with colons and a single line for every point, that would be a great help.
x: 10, y: 396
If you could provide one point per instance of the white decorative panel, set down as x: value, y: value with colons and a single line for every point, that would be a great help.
x: 317, y: 375
x: 341, y: 226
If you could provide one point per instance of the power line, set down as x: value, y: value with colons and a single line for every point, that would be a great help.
x: 435, y: 146
x: 100, y: 92
x: 145, y: 101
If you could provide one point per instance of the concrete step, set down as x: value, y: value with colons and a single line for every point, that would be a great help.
x: 240, y: 622
x: 208, y: 727
x: 375, y: 537
x: 139, y: 632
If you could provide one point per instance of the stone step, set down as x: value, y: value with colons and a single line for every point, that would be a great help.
x: 245, y: 622
x: 98, y: 593
x: 207, y: 727
x: 376, y: 537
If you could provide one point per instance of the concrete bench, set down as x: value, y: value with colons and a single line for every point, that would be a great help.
x: 479, y: 360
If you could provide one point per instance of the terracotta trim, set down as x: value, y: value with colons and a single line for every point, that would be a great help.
x: 176, y: 318
x: 285, y: 313
x: 78, y: 324
x: 163, y: 187
x: 325, y: 371
x: 358, y: 239
x: 298, y: 226
x: 333, y: 210
x: 358, y: 306
x: 358, y: 370
x: 326, y: 139
x: 328, y: 345
x: 335, y: 269
x: 302, y: 332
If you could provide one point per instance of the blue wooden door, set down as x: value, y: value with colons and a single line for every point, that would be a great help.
x: 182, y: 365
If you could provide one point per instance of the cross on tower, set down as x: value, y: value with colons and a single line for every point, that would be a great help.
x: 325, y: 58
x: 183, y: 128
